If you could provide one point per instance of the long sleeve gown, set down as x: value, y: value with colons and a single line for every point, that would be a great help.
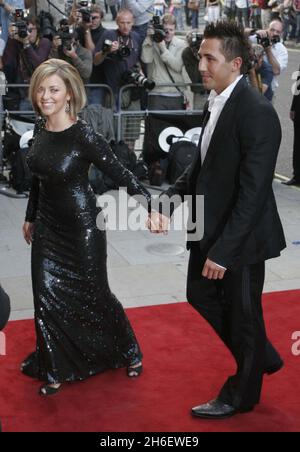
x: 81, y: 327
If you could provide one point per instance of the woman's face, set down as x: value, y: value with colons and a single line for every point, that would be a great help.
x: 52, y: 96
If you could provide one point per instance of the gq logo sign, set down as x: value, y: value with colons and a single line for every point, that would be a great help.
x: 172, y: 135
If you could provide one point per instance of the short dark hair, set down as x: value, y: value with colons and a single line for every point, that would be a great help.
x: 31, y: 19
x: 234, y: 43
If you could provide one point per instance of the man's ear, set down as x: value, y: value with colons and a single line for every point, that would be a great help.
x: 236, y: 64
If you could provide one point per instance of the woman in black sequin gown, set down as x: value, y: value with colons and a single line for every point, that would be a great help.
x: 81, y: 327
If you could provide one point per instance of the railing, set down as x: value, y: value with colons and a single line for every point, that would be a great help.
x: 129, y: 123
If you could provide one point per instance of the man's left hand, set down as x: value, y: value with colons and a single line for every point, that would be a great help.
x: 212, y: 270
x: 71, y: 53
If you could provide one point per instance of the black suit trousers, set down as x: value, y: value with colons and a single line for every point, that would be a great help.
x: 296, y: 153
x: 233, y: 308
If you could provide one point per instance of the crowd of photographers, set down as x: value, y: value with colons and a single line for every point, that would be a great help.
x: 143, y: 50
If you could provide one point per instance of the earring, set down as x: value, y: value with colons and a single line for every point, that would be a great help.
x: 68, y: 107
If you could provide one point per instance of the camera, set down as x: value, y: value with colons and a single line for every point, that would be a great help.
x: 267, y: 42
x: 107, y: 46
x: 124, y: 51
x: 159, y: 32
x: 85, y: 11
x: 138, y: 79
x: 196, y: 39
x: 47, y: 25
x: 20, y: 23
x: 66, y: 34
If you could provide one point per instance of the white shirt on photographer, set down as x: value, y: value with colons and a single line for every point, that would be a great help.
x: 281, y: 54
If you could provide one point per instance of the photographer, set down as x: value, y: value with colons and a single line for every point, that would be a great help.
x: 142, y: 11
x: 162, y: 52
x: 25, y: 50
x: 191, y: 72
x: 7, y: 8
x: 276, y: 53
x: 90, y: 30
x: 66, y: 47
x: 118, y: 51
x: 261, y: 74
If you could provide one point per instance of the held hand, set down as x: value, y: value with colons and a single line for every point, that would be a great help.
x: 212, y: 271
x: 28, y: 232
x: 157, y: 223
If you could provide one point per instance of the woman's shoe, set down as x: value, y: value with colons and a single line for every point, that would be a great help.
x: 49, y: 390
x: 134, y: 371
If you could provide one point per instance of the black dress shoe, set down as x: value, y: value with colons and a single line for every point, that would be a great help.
x: 270, y: 370
x: 292, y: 181
x: 216, y: 409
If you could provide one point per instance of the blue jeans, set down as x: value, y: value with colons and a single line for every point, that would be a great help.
x: 195, y: 19
x: 178, y: 14
x: 96, y: 95
x: 25, y: 105
x: 298, y: 28
x: 242, y: 15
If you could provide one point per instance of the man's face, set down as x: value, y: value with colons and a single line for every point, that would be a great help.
x: 216, y: 72
x: 275, y: 29
x: 32, y: 33
x: 95, y: 20
x: 170, y: 32
x: 125, y: 24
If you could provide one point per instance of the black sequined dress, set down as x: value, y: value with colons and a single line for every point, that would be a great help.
x: 81, y: 327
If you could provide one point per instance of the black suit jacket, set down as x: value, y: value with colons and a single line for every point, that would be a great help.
x: 241, y: 221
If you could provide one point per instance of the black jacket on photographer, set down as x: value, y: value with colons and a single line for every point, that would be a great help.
x: 97, y: 75
x: 19, y: 62
x: 83, y: 61
x: 115, y: 66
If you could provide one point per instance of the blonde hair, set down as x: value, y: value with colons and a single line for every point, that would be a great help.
x: 70, y: 77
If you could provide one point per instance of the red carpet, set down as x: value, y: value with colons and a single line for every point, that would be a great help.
x: 185, y: 364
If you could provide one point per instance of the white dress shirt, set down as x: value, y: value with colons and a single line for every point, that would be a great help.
x: 216, y: 105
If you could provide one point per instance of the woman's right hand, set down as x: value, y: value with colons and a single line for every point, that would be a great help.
x: 28, y: 232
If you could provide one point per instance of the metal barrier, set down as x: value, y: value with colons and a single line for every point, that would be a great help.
x: 109, y: 97
x: 130, y: 122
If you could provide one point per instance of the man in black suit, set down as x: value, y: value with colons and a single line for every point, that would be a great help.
x: 295, y: 117
x: 234, y: 171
